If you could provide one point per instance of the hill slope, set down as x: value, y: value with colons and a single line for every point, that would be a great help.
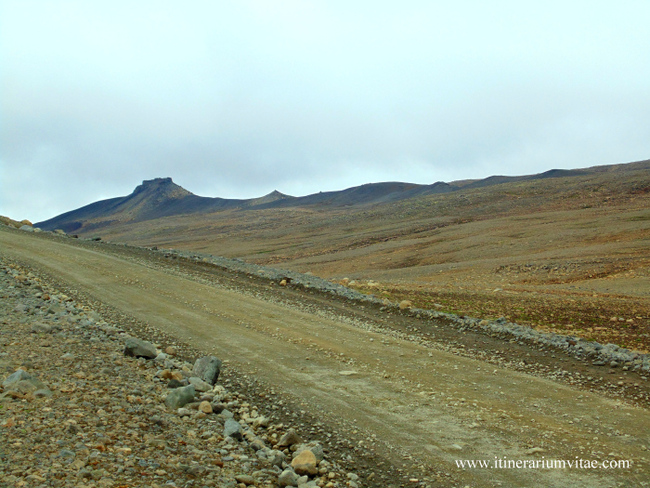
x: 161, y: 197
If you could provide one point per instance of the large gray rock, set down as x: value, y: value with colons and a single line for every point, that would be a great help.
x: 289, y: 439
x: 139, y: 349
x: 207, y: 368
x: 232, y: 428
x: 180, y: 397
x: 288, y: 478
x: 23, y: 382
x: 18, y: 375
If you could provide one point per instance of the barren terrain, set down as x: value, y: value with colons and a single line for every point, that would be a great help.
x: 411, y: 396
x: 568, y: 254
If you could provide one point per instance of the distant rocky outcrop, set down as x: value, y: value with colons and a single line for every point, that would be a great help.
x: 13, y: 223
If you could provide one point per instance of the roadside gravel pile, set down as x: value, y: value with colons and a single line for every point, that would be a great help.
x: 83, y: 404
x: 601, y: 355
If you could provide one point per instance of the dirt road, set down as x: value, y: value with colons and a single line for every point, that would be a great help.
x: 417, y: 406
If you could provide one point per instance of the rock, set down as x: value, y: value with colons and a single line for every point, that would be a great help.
x: 314, y: 447
x: 174, y: 383
x: 303, y: 482
x: 218, y: 407
x: 404, y: 304
x: 27, y: 228
x: 305, y: 463
x: 225, y: 413
x: 289, y: 439
x: 180, y: 397
x: 207, y: 368
x: 245, y: 478
x: 288, y: 478
x: 205, y: 407
x: 257, y: 444
x: 18, y: 375
x: 23, y: 382
x: 534, y: 450
x: 199, y: 384
x: 184, y: 412
x: 261, y: 421
x: 139, y: 349
x: 42, y: 328
x: 233, y: 429
x: 165, y: 374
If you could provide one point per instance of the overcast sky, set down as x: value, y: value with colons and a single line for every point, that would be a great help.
x: 238, y: 98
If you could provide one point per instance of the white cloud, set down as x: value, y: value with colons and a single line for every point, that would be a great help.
x: 236, y: 99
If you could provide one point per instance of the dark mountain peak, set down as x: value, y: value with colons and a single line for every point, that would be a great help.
x: 161, y: 187
x: 274, y: 196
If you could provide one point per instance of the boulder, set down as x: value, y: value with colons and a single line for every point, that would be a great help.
x: 232, y: 428
x: 288, y: 478
x: 207, y: 368
x: 139, y: 349
x: 18, y: 375
x: 179, y: 397
x: 23, y: 382
x: 289, y: 439
x: 304, y: 464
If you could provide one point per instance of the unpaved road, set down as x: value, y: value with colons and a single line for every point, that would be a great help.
x: 415, y: 405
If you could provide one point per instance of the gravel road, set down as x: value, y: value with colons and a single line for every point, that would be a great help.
x: 395, y: 399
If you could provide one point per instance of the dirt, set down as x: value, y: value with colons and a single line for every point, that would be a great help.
x: 407, y: 398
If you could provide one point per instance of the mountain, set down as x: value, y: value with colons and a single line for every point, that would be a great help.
x: 161, y: 197
x: 153, y: 199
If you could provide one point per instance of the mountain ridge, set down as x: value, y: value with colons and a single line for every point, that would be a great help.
x: 161, y: 197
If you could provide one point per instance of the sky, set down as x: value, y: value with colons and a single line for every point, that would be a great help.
x: 236, y: 99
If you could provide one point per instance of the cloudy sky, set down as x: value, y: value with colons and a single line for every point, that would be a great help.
x: 238, y: 98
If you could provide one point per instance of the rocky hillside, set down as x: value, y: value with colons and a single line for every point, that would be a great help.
x: 85, y: 403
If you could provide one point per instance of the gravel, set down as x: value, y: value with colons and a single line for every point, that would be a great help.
x: 578, y: 347
x: 75, y: 410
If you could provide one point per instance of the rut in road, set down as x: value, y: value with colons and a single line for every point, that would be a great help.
x: 431, y: 407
